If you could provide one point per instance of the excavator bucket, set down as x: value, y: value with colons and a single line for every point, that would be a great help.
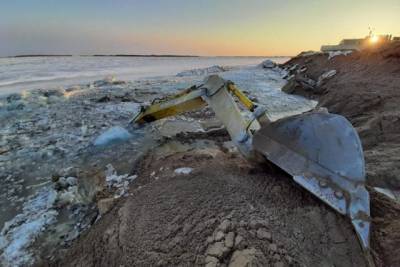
x: 323, y: 153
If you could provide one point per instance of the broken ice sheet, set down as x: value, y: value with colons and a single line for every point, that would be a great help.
x: 19, y: 233
x: 114, y: 134
x: 183, y: 170
x: 121, y: 182
x: 386, y: 192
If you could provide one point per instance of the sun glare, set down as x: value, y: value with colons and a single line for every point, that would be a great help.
x: 374, y: 39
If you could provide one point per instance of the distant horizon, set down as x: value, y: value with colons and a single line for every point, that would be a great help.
x: 128, y: 55
x: 263, y: 28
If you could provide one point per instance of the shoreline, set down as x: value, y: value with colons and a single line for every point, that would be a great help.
x: 52, y: 72
x: 56, y: 129
x: 38, y: 129
x: 134, y: 55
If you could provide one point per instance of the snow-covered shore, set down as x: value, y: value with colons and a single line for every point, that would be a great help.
x: 48, y: 144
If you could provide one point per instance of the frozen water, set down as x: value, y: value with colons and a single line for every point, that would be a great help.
x: 386, y: 192
x: 203, y: 71
x: 19, y: 233
x: 267, y: 64
x: 65, y: 122
x: 17, y: 74
x: 183, y: 170
x: 326, y: 75
x: 265, y: 85
x: 121, y: 182
x: 114, y: 134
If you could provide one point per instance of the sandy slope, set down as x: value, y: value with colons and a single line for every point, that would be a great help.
x: 226, y: 211
x: 200, y: 218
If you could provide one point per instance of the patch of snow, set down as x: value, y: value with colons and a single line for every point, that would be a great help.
x: 183, y: 170
x: 294, y: 67
x: 386, y: 192
x: 203, y: 71
x: 69, y: 195
x: 338, y: 53
x: 121, y: 182
x: 72, y: 181
x: 113, y: 134
x: 20, y: 232
x: 326, y: 75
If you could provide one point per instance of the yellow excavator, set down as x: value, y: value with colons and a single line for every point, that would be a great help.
x: 320, y: 150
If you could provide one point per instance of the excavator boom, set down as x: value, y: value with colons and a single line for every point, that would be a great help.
x: 321, y: 151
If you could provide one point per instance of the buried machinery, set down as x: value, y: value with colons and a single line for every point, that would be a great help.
x: 321, y: 151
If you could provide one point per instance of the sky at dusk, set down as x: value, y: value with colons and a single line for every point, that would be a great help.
x: 198, y: 27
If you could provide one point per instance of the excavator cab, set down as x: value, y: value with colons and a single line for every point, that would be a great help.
x: 320, y: 150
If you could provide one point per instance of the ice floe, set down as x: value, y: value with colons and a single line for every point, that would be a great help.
x: 325, y: 76
x: 386, y: 192
x: 267, y: 64
x: 114, y: 134
x: 183, y: 170
x: 203, y: 71
x: 19, y: 233
x: 120, y: 182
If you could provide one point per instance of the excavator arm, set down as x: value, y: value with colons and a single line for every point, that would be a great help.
x: 186, y: 100
x: 321, y: 151
x: 216, y: 93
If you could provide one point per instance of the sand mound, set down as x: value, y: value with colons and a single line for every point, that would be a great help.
x: 226, y: 211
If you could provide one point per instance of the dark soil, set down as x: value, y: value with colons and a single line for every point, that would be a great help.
x: 183, y: 220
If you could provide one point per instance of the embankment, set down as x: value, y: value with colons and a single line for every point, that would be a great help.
x: 365, y: 88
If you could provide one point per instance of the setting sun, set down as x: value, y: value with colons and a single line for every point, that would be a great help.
x: 374, y: 39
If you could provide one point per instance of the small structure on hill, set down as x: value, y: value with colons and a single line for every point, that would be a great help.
x: 359, y: 44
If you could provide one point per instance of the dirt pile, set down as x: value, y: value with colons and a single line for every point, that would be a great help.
x: 365, y: 88
x: 225, y: 212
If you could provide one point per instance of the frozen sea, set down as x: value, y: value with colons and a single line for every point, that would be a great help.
x: 25, y: 73
x: 40, y: 138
